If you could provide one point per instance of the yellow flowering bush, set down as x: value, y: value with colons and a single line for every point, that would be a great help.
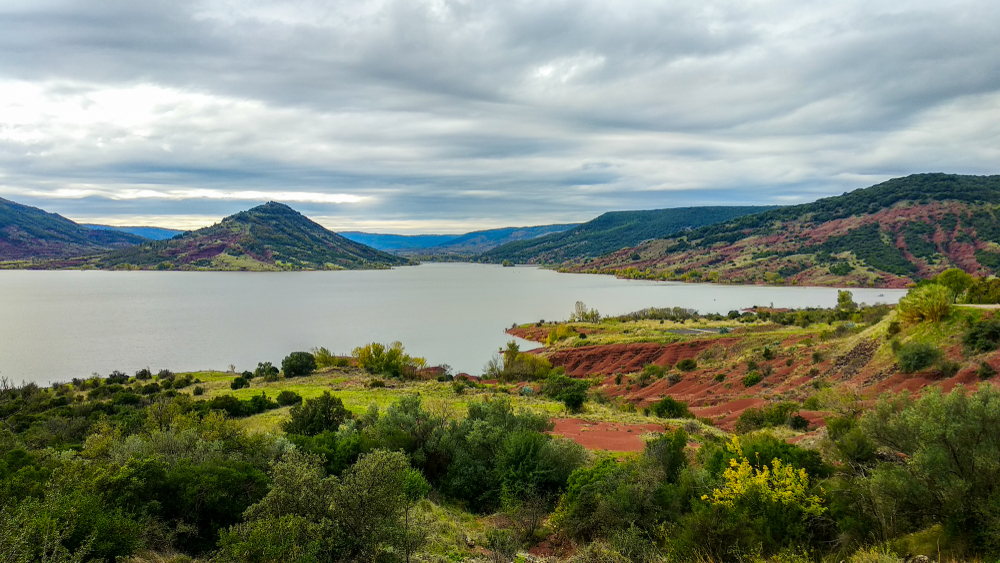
x: 779, y: 484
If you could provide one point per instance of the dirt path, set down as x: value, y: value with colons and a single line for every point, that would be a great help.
x: 609, y: 436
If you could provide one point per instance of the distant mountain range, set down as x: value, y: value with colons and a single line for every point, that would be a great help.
x: 613, y: 231
x: 470, y: 244
x: 887, y: 235
x: 28, y: 233
x: 150, y: 233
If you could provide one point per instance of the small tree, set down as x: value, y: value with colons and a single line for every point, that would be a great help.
x: 298, y: 363
x: 265, y: 370
x: 323, y: 413
x: 926, y: 303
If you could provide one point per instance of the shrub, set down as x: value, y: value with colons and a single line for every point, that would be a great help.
x: 817, y: 357
x: 915, y: 356
x: 720, y: 377
x: 949, y: 368
x: 668, y: 407
x: 767, y: 353
x: 376, y: 384
x: 392, y: 360
x: 143, y: 374
x: 985, y: 371
x: 325, y: 412
x: 117, y: 377
x: 265, y: 371
x: 926, y: 303
x: 687, y: 364
x: 983, y: 336
x: 324, y: 358
x: 198, y: 391
x: 165, y: 374
x: 298, y: 363
x: 286, y: 398
x: 674, y: 378
x: 751, y: 379
x: 571, y: 392
x: 893, y: 329
x: 778, y: 414
x: 239, y: 383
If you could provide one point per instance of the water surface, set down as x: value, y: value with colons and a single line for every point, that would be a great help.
x: 56, y: 325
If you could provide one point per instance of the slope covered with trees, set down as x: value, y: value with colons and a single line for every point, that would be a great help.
x: 272, y: 236
x: 886, y: 235
x: 28, y: 233
x: 612, y: 231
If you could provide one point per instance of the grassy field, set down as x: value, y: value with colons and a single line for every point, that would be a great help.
x: 352, y: 387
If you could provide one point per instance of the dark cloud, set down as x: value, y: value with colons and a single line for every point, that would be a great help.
x: 417, y: 113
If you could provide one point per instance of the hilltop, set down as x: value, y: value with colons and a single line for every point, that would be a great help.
x: 28, y: 233
x: 887, y: 235
x: 272, y: 236
x: 613, y: 231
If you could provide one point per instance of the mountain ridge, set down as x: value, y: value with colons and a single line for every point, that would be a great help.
x: 886, y: 235
x: 30, y: 233
x: 612, y: 231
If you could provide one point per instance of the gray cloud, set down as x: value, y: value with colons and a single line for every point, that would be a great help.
x: 443, y: 114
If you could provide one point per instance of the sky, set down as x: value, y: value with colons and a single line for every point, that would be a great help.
x: 415, y: 116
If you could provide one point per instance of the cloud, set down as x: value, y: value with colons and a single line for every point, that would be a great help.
x: 411, y: 114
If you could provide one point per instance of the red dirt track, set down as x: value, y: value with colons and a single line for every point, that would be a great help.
x: 609, y: 436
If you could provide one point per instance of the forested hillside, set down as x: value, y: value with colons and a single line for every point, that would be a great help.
x: 887, y: 235
x: 31, y: 233
x: 612, y: 231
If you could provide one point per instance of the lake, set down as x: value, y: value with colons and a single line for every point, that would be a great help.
x: 57, y: 325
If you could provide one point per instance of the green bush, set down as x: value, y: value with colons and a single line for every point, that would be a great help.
x: 687, y: 364
x: 239, y: 383
x: 323, y: 413
x: 983, y: 336
x: 286, y: 398
x: 751, y: 379
x: 930, y: 303
x: 985, y: 371
x: 915, y: 356
x: 298, y: 363
x: 265, y: 371
x: 778, y: 414
x: 668, y: 407
x: 391, y: 360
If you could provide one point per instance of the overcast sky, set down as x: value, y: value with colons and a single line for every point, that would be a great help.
x: 446, y: 116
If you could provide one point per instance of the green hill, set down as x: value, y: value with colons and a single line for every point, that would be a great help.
x: 149, y: 233
x: 272, y: 236
x: 613, y: 231
x: 28, y: 233
x: 889, y: 234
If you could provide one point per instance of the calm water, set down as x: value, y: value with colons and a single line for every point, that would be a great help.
x: 56, y: 325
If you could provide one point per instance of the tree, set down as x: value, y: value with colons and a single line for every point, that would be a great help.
x: 298, y: 363
x: 371, y: 505
x: 955, y: 279
x: 845, y: 301
x: 943, y: 451
x: 582, y: 314
x: 265, y: 370
x: 325, y: 412
x: 926, y: 303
